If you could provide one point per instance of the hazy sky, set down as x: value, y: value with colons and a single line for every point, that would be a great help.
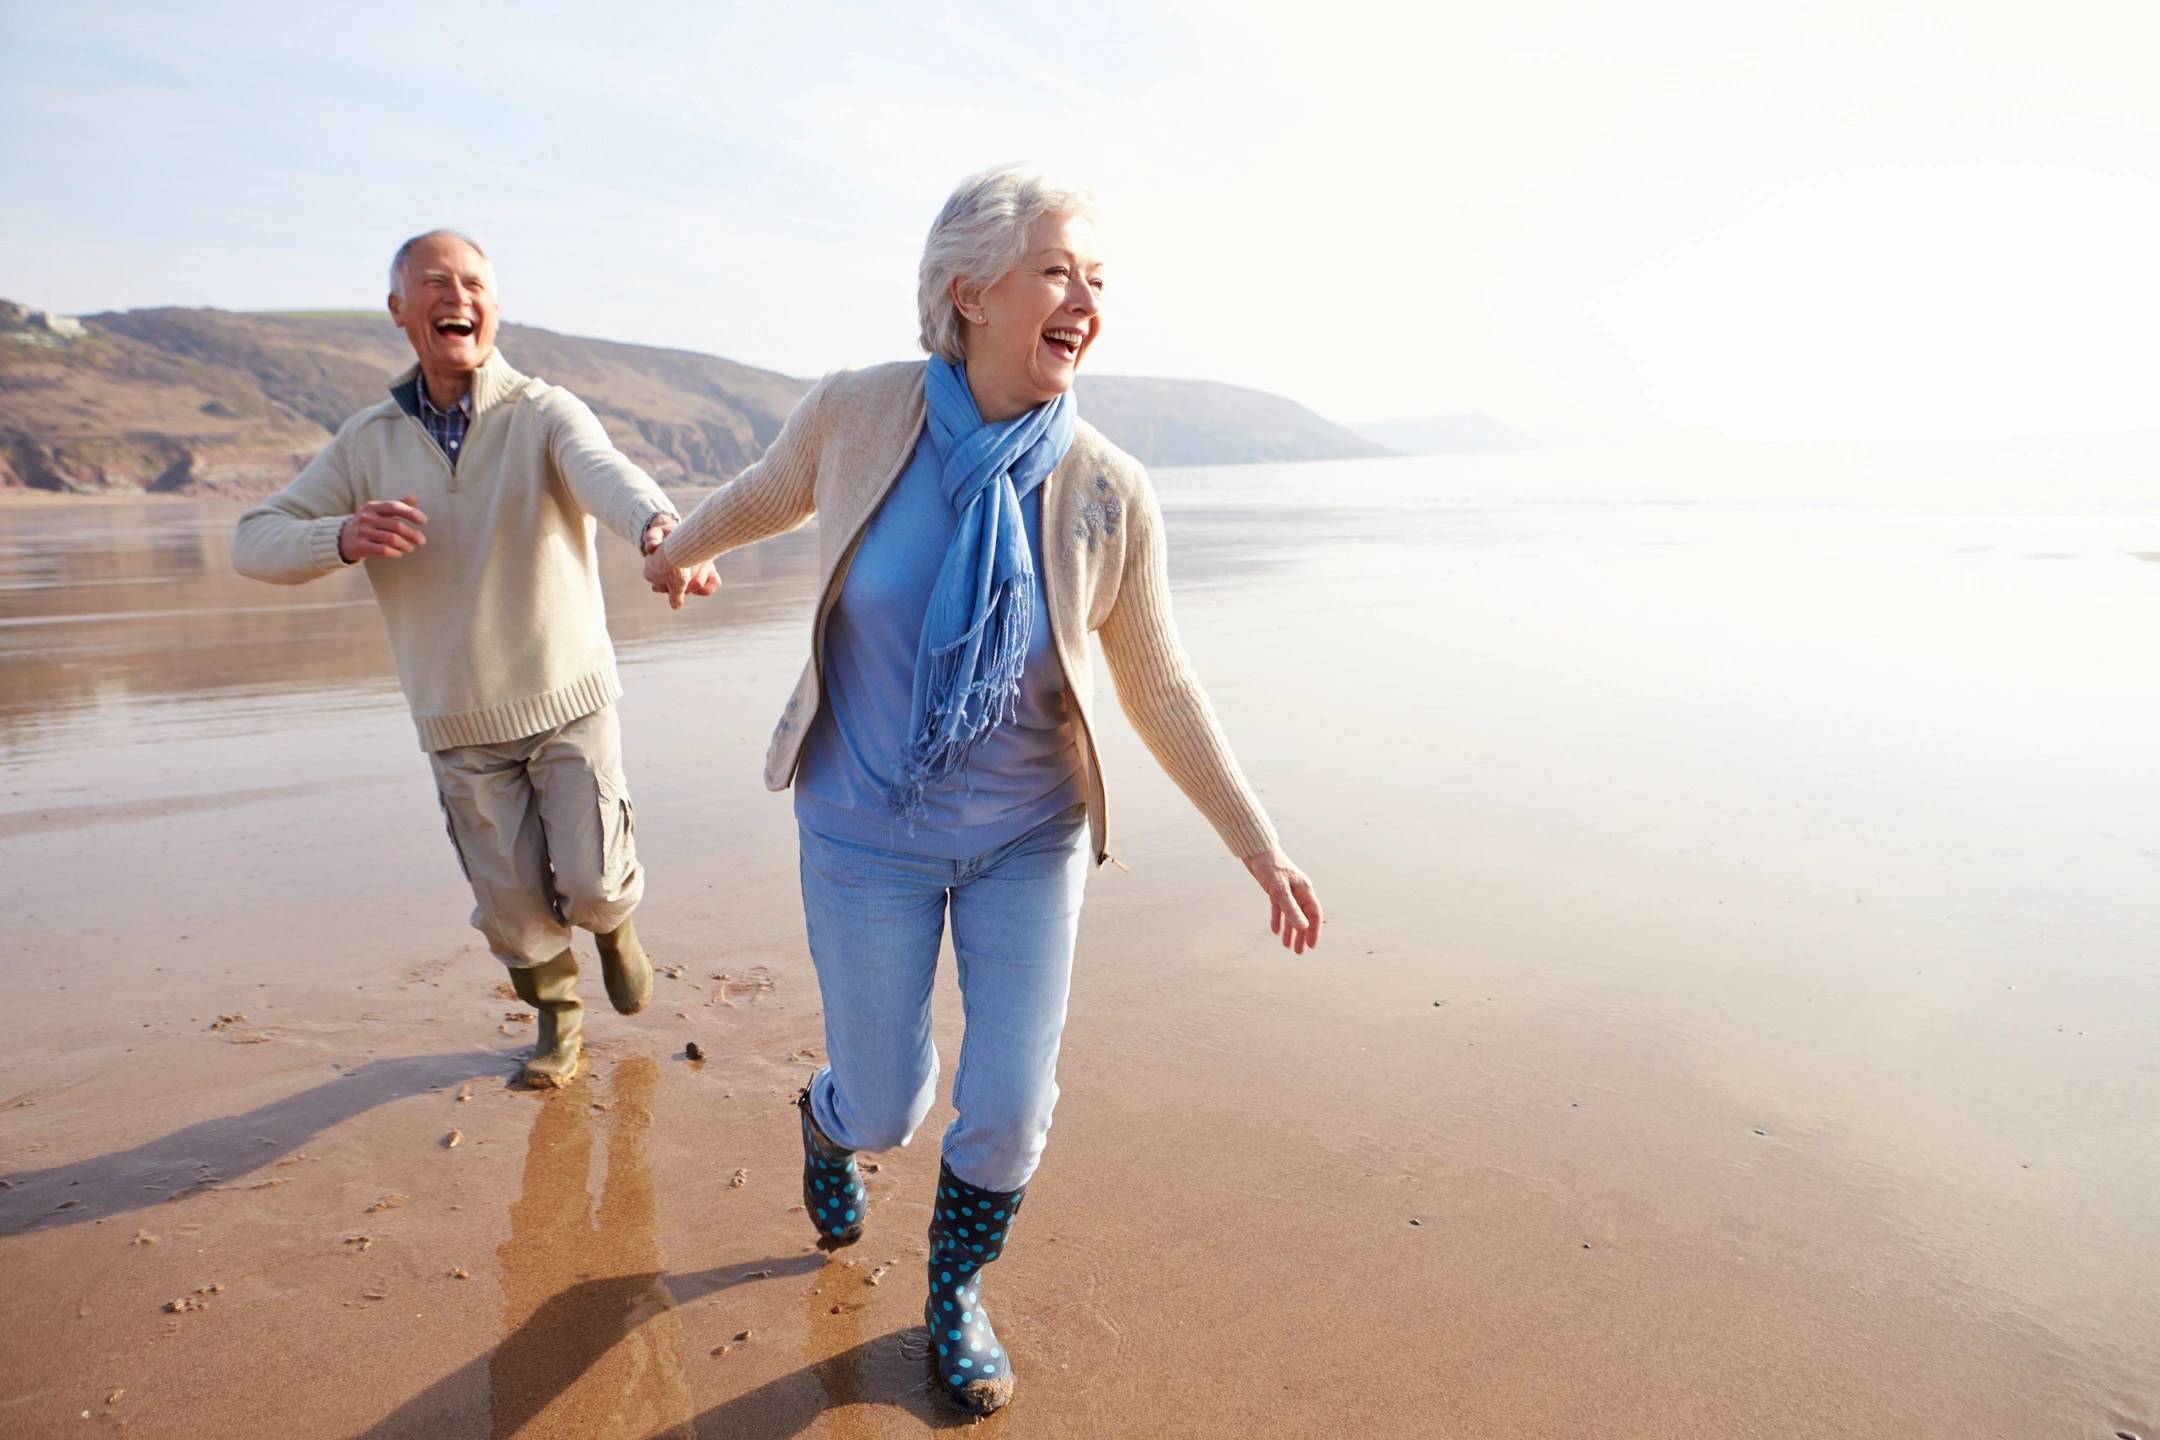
x: 1804, y: 220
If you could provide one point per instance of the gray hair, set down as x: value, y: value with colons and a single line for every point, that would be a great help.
x: 979, y: 236
x: 404, y: 253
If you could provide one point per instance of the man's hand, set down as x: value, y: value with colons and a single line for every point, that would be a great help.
x: 382, y: 529
x: 664, y: 578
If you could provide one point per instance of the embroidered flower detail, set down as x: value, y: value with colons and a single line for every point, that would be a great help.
x: 1100, y: 517
x: 1100, y: 521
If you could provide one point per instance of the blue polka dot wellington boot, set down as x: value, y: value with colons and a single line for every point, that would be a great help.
x: 832, y: 1188
x: 968, y: 1227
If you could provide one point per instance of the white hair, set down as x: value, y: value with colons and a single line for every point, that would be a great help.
x: 979, y: 236
x: 404, y: 252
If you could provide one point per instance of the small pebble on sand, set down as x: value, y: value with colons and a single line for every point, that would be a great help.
x: 454, y: 1139
x: 388, y: 1202
x: 1417, y: 1222
x: 742, y: 1178
x: 143, y: 1237
x: 694, y: 1051
x: 459, y: 1272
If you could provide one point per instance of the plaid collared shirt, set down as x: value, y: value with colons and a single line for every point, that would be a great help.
x: 448, y: 427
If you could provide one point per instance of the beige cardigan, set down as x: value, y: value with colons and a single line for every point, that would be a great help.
x: 496, y: 624
x: 1103, y: 573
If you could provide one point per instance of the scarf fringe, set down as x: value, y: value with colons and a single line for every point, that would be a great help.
x: 967, y: 710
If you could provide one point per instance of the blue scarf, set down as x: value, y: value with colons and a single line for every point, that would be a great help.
x: 982, y: 609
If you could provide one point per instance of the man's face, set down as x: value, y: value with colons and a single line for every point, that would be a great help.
x: 448, y: 308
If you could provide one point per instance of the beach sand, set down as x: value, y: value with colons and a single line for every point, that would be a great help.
x: 1735, y: 1014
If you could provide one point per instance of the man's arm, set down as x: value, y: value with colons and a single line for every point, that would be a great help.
x: 292, y: 537
x: 609, y: 488
x: 312, y: 527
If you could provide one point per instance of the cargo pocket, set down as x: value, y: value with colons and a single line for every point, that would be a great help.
x: 618, y: 828
x: 449, y: 826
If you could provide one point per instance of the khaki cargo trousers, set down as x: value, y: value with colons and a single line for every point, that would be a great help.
x: 543, y: 830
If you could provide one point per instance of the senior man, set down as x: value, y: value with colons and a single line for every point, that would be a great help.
x: 471, y: 495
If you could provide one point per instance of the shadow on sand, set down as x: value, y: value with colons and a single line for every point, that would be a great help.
x: 217, y: 1151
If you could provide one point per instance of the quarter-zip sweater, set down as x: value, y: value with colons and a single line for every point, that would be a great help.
x: 1103, y: 573
x: 496, y: 624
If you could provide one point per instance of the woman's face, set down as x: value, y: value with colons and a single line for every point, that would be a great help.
x: 1026, y: 333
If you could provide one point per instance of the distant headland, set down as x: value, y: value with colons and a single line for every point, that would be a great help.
x: 218, y: 402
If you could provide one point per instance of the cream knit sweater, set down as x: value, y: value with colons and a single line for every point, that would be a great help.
x: 1103, y: 573
x: 496, y: 624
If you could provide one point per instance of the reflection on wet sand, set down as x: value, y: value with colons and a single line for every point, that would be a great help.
x: 593, y: 1338
x: 593, y: 1345
x: 104, y: 605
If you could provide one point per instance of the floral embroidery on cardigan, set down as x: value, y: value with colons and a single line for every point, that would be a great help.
x: 1099, y: 518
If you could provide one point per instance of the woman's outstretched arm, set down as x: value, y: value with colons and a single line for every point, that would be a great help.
x: 1167, y: 706
x: 773, y: 496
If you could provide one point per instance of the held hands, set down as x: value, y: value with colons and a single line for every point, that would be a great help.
x: 381, y: 529
x: 1295, y: 915
x: 664, y: 578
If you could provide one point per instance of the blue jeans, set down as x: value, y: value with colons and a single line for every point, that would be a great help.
x: 876, y: 920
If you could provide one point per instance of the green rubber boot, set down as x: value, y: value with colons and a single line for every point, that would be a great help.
x: 551, y: 989
x: 625, y: 969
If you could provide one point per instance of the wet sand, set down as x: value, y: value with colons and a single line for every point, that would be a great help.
x: 1735, y: 1017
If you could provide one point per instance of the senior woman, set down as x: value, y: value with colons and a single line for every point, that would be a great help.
x: 973, y: 532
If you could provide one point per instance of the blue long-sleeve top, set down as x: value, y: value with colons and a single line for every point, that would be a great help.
x: 1023, y: 772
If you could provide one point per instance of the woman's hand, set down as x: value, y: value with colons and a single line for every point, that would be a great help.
x: 665, y: 579
x: 1296, y: 910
